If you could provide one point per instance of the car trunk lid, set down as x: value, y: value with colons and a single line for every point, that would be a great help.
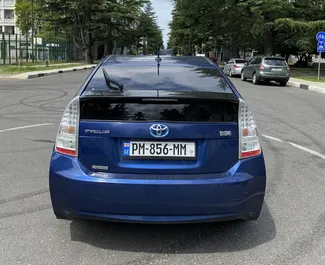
x: 142, y: 135
x: 275, y: 66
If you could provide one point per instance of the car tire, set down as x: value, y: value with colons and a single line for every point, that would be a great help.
x: 242, y: 77
x: 255, y: 80
x: 252, y: 218
x: 283, y: 83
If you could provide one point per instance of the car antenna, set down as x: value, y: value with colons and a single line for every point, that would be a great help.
x: 158, y: 60
x: 108, y: 81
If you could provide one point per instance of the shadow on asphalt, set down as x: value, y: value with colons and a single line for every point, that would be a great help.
x: 266, y: 84
x: 171, y: 239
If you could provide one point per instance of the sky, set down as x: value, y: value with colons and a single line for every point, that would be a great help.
x: 163, y: 9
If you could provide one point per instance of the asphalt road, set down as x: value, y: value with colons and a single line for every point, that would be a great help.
x: 291, y: 229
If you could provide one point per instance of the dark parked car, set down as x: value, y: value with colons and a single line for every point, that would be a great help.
x: 266, y: 69
x: 164, y: 140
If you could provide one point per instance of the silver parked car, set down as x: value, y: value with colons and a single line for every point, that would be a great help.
x: 234, y: 67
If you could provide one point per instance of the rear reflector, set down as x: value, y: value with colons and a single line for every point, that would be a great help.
x: 249, y: 144
x: 66, y: 151
x: 250, y: 153
x: 67, y: 140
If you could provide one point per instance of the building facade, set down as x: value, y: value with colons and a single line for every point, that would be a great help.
x: 7, y: 17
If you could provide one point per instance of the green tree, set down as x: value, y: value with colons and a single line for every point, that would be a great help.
x: 272, y: 26
x: 149, y: 33
x: 28, y: 15
x: 86, y: 22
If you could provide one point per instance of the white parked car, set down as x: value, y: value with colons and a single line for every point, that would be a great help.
x: 234, y: 67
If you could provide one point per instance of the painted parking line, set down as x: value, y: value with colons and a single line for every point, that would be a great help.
x: 308, y: 150
x: 25, y: 127
x: 312, y: 152
x: 272, y: 138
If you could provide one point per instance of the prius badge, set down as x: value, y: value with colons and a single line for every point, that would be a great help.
x: 97, y: 131
x: 159, y: 130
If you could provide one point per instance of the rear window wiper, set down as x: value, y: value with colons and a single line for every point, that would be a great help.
x: 109, y: 81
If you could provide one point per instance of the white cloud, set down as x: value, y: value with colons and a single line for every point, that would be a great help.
x: 163, y: 9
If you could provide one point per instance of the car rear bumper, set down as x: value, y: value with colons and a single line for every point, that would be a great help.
x: 235, y: 194
x: 236, y: 71
x: 273, y: 77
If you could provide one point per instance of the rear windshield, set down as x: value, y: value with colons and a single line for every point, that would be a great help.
x: 172, y: 78
x: 275, y: 61
x: 241, y: 61
x: 136, y: 110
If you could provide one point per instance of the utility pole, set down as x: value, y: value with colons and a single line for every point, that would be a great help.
x: 33, y: 31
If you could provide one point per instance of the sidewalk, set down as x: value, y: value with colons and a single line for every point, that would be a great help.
x: 56, y: 64
x: 36, y: 74
x: 318, y: 87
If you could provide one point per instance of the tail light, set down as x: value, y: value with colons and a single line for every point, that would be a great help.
x: 261, y: 67
x: 288, y: 68
x: 67, y: 136
x: 249, y: 144
x: 236, y: 66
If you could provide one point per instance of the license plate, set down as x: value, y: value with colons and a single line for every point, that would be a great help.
x: 276, y: 69
x: 161, y: 150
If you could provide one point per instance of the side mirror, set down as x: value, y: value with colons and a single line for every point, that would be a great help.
x: 246, y: 63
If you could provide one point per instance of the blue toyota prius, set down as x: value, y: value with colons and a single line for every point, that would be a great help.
x: 157, y: 140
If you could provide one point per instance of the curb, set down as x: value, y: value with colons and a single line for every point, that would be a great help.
x: 306, y: 87
x: 60, y: 71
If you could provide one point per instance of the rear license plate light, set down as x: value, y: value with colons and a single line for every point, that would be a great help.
x: 159, y: 150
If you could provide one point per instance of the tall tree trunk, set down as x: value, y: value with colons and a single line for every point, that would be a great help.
x: 218, y: 54
x: 268, y: 41
x: 89, y: 48
x: 144, y: 49
x: 89, y: 55
x: 234, y: 51
x: 268, y: 36
x: 109, y: 45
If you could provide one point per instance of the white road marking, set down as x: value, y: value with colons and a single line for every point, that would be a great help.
x: 297, y: 146
x: 308, y: 150
x: 272, y: 138
x: 25, y: 127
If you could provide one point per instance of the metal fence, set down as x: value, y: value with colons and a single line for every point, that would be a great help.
x: 15, y: 48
